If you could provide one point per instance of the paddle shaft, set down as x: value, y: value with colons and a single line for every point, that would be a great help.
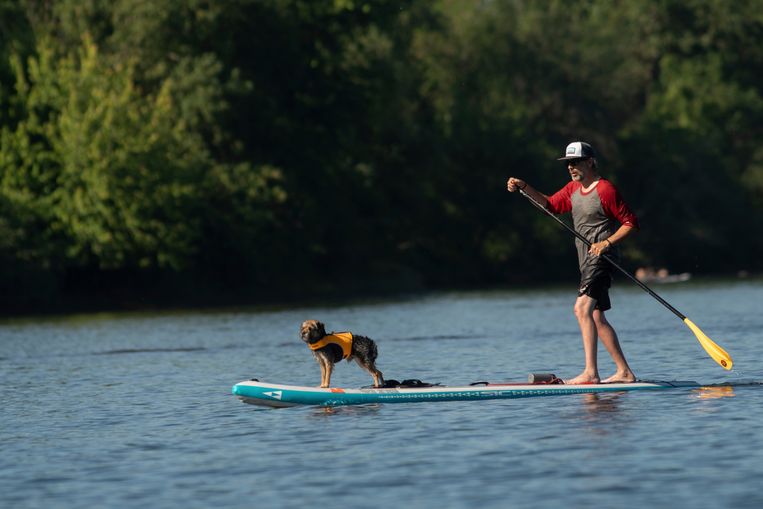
x: 610, y: 260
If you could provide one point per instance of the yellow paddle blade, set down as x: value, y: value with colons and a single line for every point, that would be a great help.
x: 718, y: 354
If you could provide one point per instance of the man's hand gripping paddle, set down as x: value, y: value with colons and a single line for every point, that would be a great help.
x: 718, y: 354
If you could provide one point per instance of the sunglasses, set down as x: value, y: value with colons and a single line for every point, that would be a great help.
x: 575, y: 162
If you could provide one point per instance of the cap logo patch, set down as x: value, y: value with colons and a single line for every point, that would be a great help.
x: 570, y: 150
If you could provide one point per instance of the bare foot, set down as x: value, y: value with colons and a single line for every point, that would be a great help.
x: 583, y: 378
x: 624, y: 377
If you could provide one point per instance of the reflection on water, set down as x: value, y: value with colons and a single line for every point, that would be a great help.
x: 722, y: 391
x: 597, y: 404
x: 354, y: 410
x: 596, y: 414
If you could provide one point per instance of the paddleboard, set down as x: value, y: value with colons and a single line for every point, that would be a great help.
x: 280, y: 395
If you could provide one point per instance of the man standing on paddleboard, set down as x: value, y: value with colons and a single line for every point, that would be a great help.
x: 601, y: 216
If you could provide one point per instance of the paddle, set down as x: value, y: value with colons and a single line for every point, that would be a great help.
x: 718, y: 354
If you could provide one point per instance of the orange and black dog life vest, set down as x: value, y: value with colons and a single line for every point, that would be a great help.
x: 341, y: 339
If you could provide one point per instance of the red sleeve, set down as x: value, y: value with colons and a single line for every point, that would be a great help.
x: 614, y: 205
x: 561, y: 201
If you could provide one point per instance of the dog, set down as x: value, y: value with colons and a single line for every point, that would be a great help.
x: 329, y: 349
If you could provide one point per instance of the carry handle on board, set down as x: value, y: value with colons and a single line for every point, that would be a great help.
x: 543, y: 378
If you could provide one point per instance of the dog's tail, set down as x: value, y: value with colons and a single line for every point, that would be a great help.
x: 374, y: 352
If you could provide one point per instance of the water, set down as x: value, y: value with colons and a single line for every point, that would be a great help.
x: 136, y: 411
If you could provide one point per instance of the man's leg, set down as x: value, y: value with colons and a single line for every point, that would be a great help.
x: 608, y: 337
x: 584, y: 310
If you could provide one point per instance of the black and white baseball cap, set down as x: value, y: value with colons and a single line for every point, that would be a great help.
x: 578, y: 150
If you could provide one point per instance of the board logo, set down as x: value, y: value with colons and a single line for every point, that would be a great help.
x: 274, y: 394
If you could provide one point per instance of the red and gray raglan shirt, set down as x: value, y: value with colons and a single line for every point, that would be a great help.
x: 596, y: 215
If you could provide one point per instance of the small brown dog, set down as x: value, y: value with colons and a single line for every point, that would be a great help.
x: 332, y: 348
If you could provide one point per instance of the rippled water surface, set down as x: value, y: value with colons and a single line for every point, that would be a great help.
x: 136, y: 411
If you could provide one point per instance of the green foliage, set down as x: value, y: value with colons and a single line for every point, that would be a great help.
x: 89, y: 145
x: 266, y: 148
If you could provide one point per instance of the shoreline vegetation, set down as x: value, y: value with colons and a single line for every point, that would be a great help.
x: 338, y: 294
x: 175, y: 153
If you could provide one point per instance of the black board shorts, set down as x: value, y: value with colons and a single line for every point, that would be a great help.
x: 595, y: 283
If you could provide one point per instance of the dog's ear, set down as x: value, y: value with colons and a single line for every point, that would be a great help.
x: 320, y: 328
x: 305, y: 328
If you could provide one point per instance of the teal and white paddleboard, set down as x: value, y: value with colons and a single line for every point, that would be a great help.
x: 280, y: 395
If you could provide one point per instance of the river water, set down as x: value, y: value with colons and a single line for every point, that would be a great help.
x: 135, y: 410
